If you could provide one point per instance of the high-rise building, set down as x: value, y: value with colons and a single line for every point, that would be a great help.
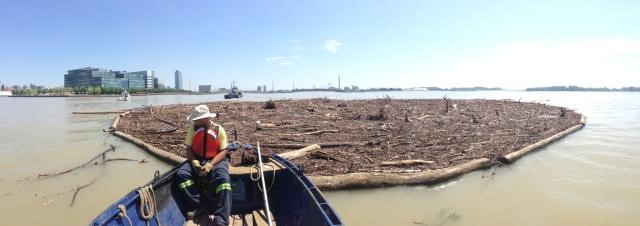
x: 204, y: 89
x: 178, y: 80
x: 157, y: 83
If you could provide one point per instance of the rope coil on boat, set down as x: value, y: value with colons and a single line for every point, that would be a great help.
x: 257, y: 177
x: 148, y: 204
x: 123, y: 213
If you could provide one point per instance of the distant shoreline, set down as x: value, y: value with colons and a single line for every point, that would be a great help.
x: 474, y: 89
x: 583, y: 89
x: 109, y: 95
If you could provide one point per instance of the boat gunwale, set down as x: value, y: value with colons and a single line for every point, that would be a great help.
x: 162, y: 179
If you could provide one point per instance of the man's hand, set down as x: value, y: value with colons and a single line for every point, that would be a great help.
x: 196, y: 165
x: 204, y: 170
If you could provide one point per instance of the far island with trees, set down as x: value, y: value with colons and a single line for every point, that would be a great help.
x: 589, y: 89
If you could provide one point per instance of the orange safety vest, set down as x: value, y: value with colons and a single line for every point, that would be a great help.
x: 198, y: 143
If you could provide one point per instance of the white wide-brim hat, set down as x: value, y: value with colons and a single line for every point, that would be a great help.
x: 200, y: 112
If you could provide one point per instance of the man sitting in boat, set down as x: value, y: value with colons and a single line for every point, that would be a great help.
x: 207, y: 163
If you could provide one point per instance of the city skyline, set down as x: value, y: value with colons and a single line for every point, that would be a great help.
x: 508, y: 44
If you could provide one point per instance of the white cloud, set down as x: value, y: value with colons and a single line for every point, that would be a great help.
x: 332, y: 45
x: 284, y: 61
x: 594, y: 63
x: 276, y: 58
x: 294, y: 54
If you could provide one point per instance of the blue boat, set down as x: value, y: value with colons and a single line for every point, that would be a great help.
x: 293, y: 200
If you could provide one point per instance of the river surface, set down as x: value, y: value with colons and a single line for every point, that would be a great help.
x: 591, y: 177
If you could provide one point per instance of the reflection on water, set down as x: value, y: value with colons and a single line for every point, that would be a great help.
x: 591, y: 177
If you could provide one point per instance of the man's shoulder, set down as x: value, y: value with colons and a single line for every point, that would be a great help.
x: 218, y: 127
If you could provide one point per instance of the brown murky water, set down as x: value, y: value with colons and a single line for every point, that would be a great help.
x: 589, y: 178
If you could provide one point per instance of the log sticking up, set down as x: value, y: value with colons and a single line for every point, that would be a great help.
x: 446, y: 104
x: 270, y: 105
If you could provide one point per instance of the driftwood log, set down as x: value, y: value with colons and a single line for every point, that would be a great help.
x: 408, y: 162
x: 164, y: 155
x: 313, y: 133
x: 300, y: 152
x: 363, y: 180
x: 513, y: 156
x: 116, y: 120
x: 263, y: 126
x: 102, y: 154
x: 325, y: 145
x: 96, y: 112
x: 325, y: 155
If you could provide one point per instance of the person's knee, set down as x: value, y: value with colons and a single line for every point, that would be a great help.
x: 183, y: 175
x: 221, y: 170
x: 184, y: 171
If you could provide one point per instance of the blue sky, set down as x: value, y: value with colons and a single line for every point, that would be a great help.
x: 511, y: 44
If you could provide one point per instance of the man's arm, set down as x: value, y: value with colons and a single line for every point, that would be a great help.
x: 222, y: 152
x: 219, y: 157
x: 188, y: 141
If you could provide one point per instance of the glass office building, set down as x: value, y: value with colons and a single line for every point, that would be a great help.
x: 85, y: 77
x: 178, y: 80
x: 140, y: 79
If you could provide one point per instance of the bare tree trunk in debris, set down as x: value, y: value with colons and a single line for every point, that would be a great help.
x: 300, y: 152
x: 409, y: 162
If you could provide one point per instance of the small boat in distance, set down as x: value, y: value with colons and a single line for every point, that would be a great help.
x: 234, y: 92
x: 124, y: 96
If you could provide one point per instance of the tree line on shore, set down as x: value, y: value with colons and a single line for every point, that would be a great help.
x: 91, y: 90
x: 578, y: 88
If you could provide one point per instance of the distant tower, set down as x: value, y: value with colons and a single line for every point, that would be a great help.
x: 178, y: 80
x: 339, y: 82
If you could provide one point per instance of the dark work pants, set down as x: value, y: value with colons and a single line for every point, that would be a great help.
x: 218, y: 188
